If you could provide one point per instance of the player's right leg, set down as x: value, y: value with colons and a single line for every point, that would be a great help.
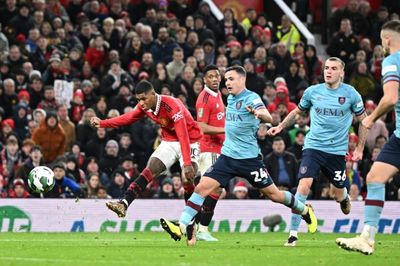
x: 303, y: 189
x: 154, y: 168
x: 193, y: 206
x: 166, y: 154
x: 216, y: 176
x: 311, y: 163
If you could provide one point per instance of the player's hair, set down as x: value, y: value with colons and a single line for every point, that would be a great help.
x: 239, y: 69
x: 337, y: 59
x: 143, y: 87
x: 210, y: 67
x: 393, y: 25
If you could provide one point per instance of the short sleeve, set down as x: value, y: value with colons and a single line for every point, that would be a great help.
x: 255, y: 102
x: 305, y: 102
x: 390, y: 70
x: 357, y: 105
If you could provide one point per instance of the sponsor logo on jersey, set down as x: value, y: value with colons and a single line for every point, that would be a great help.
x: 200, y: 112
x: 178, y: 116
x: 220, y: 115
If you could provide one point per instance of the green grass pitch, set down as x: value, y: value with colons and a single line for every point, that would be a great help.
x: 158, y: 249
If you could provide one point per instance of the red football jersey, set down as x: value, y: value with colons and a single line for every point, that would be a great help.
x: 211, y: 110
x: 177, y: 124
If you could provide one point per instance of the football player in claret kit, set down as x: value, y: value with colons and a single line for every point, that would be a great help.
x: 211, y: 119
x: 331, y: 105
x: 387, y: 164
x: 180, y: 141
x: 240, y: 156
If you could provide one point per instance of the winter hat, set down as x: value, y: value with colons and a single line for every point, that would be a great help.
x: 79, y: 93
x: 234, y: 43
x: 35, y: 73
x: 112, y: 142
x: 18, y: 182
x: 9, y: 122
x: 167, y: 180
x: 240, y: 186
x: 86, y: 83
x: 23, y: 94
x: 55, y: 57
x: 370, y: 104
x: 134, y: 63
x: 282, y: 88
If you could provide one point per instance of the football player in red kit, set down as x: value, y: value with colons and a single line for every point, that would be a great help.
x: 180, y: 141
x: 211, y: 119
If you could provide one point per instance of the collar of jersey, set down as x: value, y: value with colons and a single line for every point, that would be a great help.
x: 157, y: 105
x: 210, y: 91
x: 240, y: 94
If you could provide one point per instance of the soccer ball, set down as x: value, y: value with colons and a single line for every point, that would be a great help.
x: 41, y: 179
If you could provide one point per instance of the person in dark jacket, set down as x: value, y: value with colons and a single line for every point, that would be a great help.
x: 64, y: 186
x: 118, y: 184
x: 282, y: 165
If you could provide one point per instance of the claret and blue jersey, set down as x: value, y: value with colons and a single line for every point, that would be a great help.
x: 331, y: 113
x: 241, y: 126
x: 391, y: 72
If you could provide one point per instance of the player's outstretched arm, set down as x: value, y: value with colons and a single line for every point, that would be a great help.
x: 210, y: 130
x: 362, y: 135
x: 289, y: 120
x: 260, y: 113
x: 95, y: 122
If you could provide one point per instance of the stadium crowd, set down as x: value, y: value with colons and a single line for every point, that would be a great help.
x: 63, y: 62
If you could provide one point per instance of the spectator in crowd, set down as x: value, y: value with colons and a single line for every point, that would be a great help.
x: 178, y: 187
x: 287, y: 33
x: 115, y: 77
x: 297, y: 147
x: 163, y: 46
x: 101, y: 193
x: 10, y: 159
x: 166, y: 190
x: 240, y: 191
x: 354, y: 193
x: 378, y: 129
x: 301, y: 124
x: 263, y: 141
x: 282, y: 165
x: 229, y: 26
x: 118, y: 184
x: 254, y: 82
x: 110, y: 159
x: 64, y: 186
x: 93, y: 184
x: 51, y: 138
x: 313, y: 64
x: 344, y: 44
x: 35, y: 159
x: 175, y: 67
x: 19, y: 190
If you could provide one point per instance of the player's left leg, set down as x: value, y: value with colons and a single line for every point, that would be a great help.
x: 188, y: 185
x: 379, y: 174
x: 203, y: 219
x: 342, y: 198
x: 387, y: 164
x: 287, y: 199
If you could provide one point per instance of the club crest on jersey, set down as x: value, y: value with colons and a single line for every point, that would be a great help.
x: 303, y: 169
x: 342, y: 100
x: 238, y: 105
x: 163, y: 121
